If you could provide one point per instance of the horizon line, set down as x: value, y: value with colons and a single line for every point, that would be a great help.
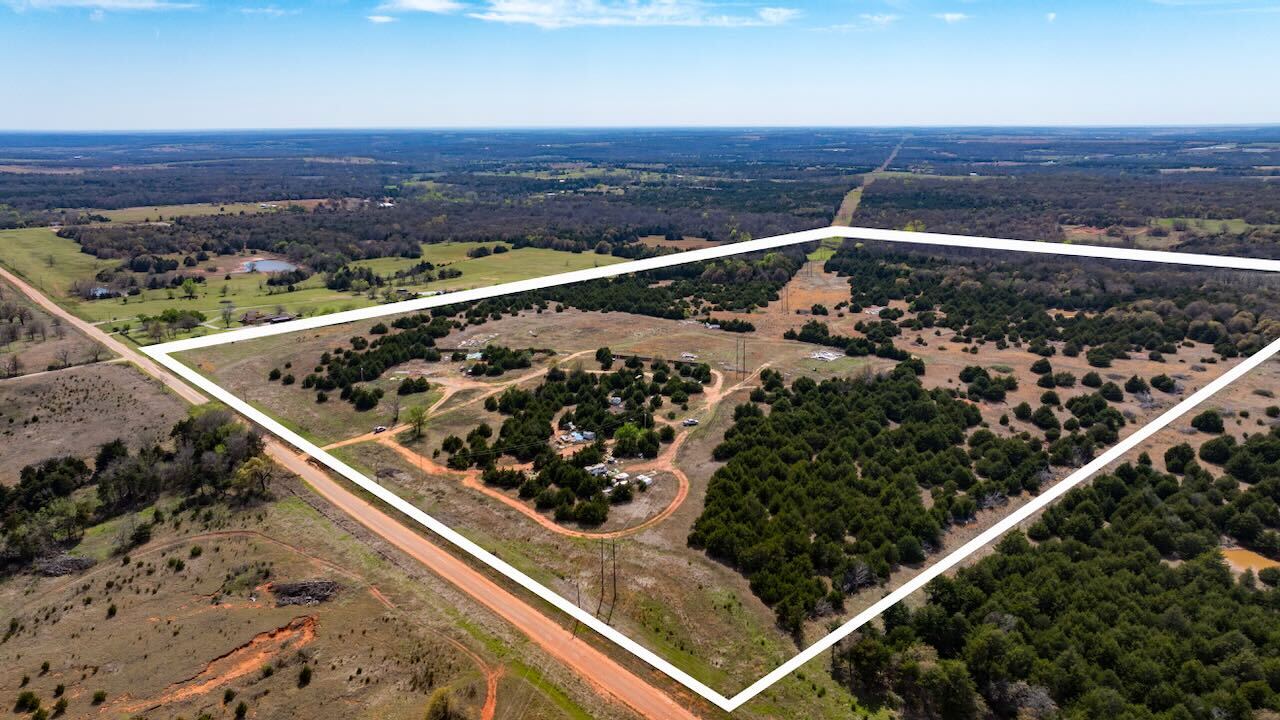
x: 1267, y: 124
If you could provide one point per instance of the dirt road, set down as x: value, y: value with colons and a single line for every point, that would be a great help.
x: 149, y: 366
x: 849, y: 206
x: 608, y: 677
x: 472, y: 478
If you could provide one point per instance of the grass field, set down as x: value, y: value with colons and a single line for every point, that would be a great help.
x: 825, y: 250
x: 52, y: 264
x: 47, y: 261
x: 1200, y: 225
x: 167, y: 212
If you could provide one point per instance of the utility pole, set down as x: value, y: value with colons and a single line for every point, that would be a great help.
x: 600, y: 599
x: 577, y: 589
x: 613, y: 601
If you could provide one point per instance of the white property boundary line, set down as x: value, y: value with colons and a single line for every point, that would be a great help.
x: 163, y: 354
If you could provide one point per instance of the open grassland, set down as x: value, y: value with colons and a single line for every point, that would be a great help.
x: 72, y: 412
x: 158, y: 213
x: 52, y: 264
x: 47, y: 261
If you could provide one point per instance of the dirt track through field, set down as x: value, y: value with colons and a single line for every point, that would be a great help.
x: 472, y: 477
x: 601, y: 672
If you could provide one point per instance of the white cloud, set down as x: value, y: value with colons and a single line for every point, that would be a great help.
x: 430, y: 6
x: 381, y: 19
x: 952, y: 18
x: 868, y: 21
x: 1051, y: 16
x: 268, y: 11
x: 555, y: 14
x: 97, y: 5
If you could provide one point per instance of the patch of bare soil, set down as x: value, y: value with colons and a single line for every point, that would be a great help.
x: 242, y: 660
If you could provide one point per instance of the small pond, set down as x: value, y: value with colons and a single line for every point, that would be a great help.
x: 267, y: 266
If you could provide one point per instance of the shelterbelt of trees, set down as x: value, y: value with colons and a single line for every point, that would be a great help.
x: 1116, y: 603
x: 1034, y: 206
x: 213, y: 458
x: 617, y: 406
x: 347, y: 368
x: 675, y: 293
x: 1112, y: 310
x: 820, y: 497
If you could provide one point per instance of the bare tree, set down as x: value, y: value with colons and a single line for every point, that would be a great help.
x: 13, y: 366
x: 35, y: 326
x: 63, y: 356
x: 95, y: 352
x: 228, y: 311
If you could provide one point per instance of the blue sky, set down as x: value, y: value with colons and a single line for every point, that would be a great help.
x: 170, y: 64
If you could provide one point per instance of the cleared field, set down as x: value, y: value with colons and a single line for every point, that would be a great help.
x: 157, y: 213
x: 684, y: 243
x: 1202, y: 225
x: 519, y: 264
x: 72, y: 412
x: 47, y: 261
x: 53, y: 263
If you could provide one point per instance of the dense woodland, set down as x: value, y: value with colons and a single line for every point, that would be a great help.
x: 820, y: 496
x: 1106, y: 310
x: 1035, y: 206
x: 336, y: 233
x: 1116, y: 603
x: 229, y: 180
x: 684, y: 291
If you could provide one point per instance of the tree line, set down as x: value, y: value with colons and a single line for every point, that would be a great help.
x: 213, y: 458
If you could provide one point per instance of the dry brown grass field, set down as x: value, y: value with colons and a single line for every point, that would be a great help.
x: 73, y: 411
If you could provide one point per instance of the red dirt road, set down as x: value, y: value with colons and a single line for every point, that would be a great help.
x: 149, y: 366
x: 607, y: 676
